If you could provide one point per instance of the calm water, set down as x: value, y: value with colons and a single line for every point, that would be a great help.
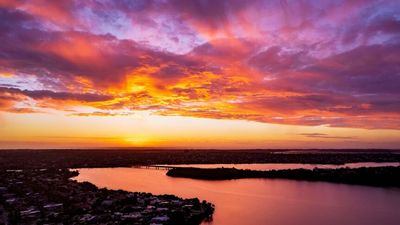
x: 283, y: 166
x: 264, y: 201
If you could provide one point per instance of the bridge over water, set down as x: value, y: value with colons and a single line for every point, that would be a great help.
x: 156, y: 167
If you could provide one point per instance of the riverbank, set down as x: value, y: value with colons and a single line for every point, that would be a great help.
x: 263, y: 201
x: 378, y: 176
x: 51, y: 197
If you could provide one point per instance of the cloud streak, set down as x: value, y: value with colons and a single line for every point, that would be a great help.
x: 322, y: 135
x: 303, y: 63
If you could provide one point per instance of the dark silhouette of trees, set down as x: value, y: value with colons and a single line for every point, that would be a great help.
x: 378, y: 176
x: 38, y: 159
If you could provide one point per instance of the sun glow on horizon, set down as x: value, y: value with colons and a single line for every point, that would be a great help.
x: 143, y: 129
x: 187, y: 74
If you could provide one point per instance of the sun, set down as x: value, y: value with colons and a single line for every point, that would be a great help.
x: 137, y: 140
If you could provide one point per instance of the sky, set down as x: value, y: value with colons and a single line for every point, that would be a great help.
x: 200, y: 74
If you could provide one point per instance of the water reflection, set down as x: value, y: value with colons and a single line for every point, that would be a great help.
x: 283, y: 166
x: 263, y: 201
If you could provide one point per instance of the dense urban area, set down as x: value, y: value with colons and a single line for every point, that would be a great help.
x: 50, y: 197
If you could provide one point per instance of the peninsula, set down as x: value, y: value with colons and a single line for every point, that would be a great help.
x: 378, y: 176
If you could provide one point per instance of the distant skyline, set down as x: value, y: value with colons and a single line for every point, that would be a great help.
x: 200, y: 74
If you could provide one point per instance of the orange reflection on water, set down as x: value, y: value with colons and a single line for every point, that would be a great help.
x: 263, y: 201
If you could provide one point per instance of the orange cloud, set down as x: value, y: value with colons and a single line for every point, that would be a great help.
x: 283, y: 69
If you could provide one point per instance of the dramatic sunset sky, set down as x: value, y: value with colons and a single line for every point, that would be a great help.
x: 200, y: 74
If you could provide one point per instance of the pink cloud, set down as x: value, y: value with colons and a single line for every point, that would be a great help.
x: 283, y: 62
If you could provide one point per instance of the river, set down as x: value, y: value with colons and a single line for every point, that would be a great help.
x: 283, y: 166
x: 263, y: 201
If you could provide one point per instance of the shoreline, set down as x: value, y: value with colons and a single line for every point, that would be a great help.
x: 373, y: 176
x: 51, y: 197
x: 37, y: 159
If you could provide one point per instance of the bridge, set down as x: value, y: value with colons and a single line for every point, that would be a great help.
x: 156, y: 167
